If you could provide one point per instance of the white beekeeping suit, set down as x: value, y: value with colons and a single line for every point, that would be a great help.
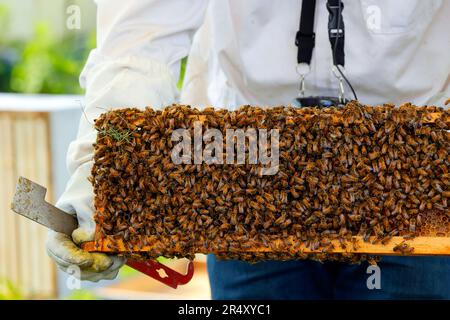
x: 243, y: 52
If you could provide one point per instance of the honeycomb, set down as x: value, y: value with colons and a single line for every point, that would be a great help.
x: 435, y: 223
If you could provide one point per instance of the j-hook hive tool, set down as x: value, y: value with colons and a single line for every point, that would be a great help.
x: 29, y: 201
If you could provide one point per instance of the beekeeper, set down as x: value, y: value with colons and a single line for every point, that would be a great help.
x: 244, y: 52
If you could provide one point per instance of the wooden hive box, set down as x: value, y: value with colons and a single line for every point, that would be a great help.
x: 29, y: 147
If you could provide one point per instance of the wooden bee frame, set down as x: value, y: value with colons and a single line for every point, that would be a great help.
x: 235, y: 243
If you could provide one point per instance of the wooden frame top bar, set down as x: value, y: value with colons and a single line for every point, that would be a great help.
x: 427, y: 246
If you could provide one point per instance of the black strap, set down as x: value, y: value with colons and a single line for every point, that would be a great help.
x: 336, y: 31
x: 305, y: 37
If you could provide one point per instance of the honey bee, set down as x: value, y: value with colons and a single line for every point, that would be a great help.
x: 403, y: 248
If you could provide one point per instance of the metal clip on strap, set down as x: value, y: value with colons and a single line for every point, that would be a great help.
x: 341, y: 83
x: 302, y: 70
x: 305, y: 40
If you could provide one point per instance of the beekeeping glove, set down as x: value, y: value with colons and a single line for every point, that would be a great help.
x: 79, y: 263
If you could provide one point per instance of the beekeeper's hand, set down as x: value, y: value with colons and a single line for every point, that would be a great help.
x: 71, y: 259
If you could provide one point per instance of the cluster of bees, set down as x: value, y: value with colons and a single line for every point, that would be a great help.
x: 369, y: 171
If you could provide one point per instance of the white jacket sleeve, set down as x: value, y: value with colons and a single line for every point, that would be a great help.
x: 139, y: 47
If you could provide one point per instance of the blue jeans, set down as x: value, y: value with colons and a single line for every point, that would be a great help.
x: 401, y: 278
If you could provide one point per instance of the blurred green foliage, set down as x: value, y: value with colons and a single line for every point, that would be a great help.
x: 5, y: 54
x: 8, y: 291
x: 48, y: 65
x: 126, y: 272
x: 81, y: 294
x: 45, y: 63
